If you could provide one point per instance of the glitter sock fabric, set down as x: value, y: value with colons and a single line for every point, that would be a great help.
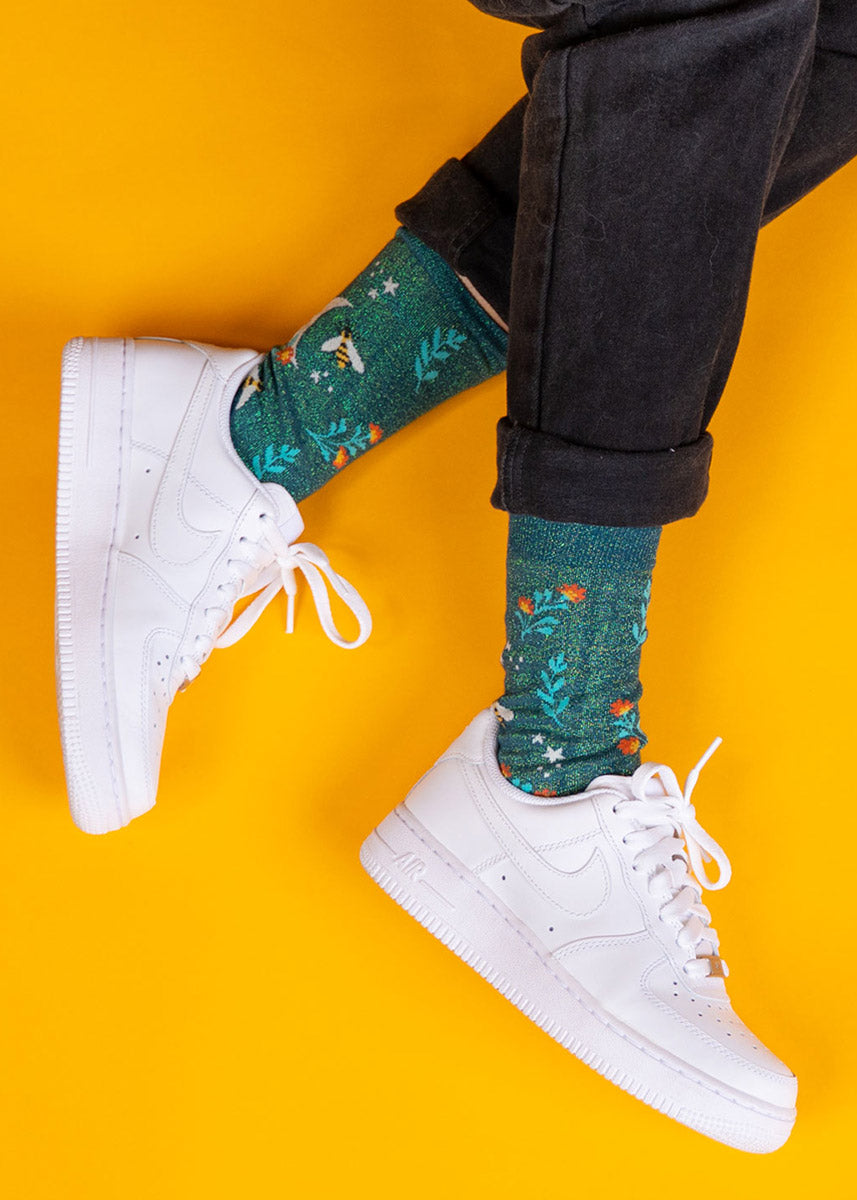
x: 577, y: 597
x: 403, y: 337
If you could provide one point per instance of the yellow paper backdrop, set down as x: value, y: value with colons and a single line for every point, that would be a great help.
x: 217, y: 1002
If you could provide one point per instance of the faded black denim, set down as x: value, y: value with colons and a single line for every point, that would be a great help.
x: 612, y: 216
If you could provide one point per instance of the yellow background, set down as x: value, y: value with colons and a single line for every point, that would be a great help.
x: 217, y: 1002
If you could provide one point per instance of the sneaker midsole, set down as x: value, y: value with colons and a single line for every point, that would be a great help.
x: 93, y: 451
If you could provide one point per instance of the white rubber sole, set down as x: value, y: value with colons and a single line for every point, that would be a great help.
x: 94, y: 448
x: 450, y: 902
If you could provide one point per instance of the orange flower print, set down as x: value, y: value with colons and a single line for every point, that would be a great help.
x: 526, y: 605
x: 544, y: 792
x: 375, y: 433
x: 286, y: 355
x: 573, y: 592
x: 505, y: 770
x: 629, y: 745
x: 341, y: 458
x: 620, y: 707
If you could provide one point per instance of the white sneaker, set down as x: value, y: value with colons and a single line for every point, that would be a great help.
x: 583, y: 912
x: 160, y: 530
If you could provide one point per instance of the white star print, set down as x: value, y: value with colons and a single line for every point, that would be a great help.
x: 315, y: 376
x: 374, y: 293
x: 554, y: 756
x: 538, y: 739
x: 390, y: 287
x: 330, y: 389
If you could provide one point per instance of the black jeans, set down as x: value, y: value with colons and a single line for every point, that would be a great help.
x: 612, y: 216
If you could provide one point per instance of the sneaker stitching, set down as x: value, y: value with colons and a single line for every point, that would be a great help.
x: 578, y: 999
x: 111, y: 570
x: 555, y: 870
x: 728, y: 1054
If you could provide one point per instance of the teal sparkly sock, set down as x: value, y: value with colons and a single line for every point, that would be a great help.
x: 404, y: 336
x: 577, y: 597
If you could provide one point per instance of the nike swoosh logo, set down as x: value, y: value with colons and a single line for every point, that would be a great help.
x: 579, y: 893
x: 175, y: 539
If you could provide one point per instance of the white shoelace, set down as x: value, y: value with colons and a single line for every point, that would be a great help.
x: 270, y: 567
x: 664, y: 824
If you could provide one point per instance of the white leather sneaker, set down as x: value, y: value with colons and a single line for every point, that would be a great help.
x: 583, y: 912
x: 160, y: 530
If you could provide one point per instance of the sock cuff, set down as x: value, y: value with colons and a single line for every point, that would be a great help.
x: 617, y: 547
x: 454, y: 292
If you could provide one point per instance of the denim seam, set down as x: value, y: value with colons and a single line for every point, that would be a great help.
x: 504, y: 477
x: 511, y: 471
x: 519, y: 463
x: 551, y: 258
x: 468, y: 233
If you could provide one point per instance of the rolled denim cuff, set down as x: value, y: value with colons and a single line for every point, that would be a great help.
x: 545, y: 476
x: 461, y: 220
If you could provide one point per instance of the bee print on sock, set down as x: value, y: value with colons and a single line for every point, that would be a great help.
x: 346, y: 353
x: 252, y: 384
x: 288, y: 354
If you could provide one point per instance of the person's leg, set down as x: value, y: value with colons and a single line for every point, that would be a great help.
x: 404, y: 336
x: 300, y: 427
x: 576, y: 604
x: 467, y: 209
x: 538, y: 849
x: 632, y: 226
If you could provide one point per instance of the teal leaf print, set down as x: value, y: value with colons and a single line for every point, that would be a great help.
x: 338, y: 444
x: 436, y: 350
x: 639, y: 632
x: 536, y: 614
x: 625, y: 720
x: 553, y: 704
x: 275, y: 462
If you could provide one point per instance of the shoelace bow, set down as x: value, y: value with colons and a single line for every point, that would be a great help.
x: 665, y: 824
x: 271, y: 567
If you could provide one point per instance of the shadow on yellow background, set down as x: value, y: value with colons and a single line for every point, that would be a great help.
x: 217, y: 1002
